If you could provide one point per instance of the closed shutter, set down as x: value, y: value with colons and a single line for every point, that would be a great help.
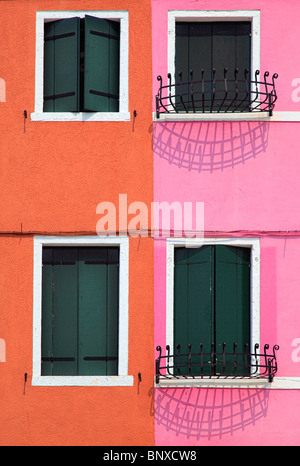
x: 211, y: 299
x: 193, y: 300
x: 101, y: 72
x: 213, y: 45
x: 98, y: 311
x: 61, y: 65
x: 232, y: 299
x: 80, y: 311
x: 59, y: 312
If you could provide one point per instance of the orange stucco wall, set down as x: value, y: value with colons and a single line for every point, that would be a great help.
x: 53, y: 175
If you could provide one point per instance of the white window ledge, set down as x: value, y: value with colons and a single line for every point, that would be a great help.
x: 80, y: 116
x: 212, y: 116
x: 279, y: 383
x: 255, y: 116
x: 83, y: 381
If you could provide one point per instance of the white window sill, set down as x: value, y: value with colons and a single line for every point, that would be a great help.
x: 288, y: 116
x: 81, y: 116
x: 279, y: 383
x: 83, y: 381
x: 242, y: 116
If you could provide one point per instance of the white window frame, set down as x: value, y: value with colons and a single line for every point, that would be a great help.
x: 254, y: 245
x: 206, y: 16
x: 122, y: 379
x: 123, y: 115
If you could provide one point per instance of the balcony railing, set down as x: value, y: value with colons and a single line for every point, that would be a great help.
x: 214, y: 364
x: 213, y: 95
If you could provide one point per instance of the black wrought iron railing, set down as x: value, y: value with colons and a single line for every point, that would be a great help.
x: 210, y: 94
x: 222, y: 364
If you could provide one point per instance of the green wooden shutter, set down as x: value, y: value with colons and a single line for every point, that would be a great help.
x: 80, y: 311
x: 101, y: 72
x: 59, y: 312
x: 61, y: 65
x: 98, y: 311
x: 232, y: 298
x: 212, y: 299
x: 231, y: 49
x: 193, y: 299
x: 211, y: 45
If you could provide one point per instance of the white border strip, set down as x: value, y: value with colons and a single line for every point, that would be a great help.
x: 123, y: 378
x: 123, y: 114
x: 279, y: 383
x: 81, y: 116
x: 280, y: 116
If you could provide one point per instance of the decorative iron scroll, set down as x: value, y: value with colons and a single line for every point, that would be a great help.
x: 213, y: 95
x: 217, y: 364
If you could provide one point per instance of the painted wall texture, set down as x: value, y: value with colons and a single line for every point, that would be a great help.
x: 246, y: 174
x: 53, y: 176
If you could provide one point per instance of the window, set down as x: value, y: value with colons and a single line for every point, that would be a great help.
x: 81, y: 311
x: 80, y: 292
x: 213, y: 293
x: 206, y: 40
x: 212, y: 298
x: 213, y: 47
x: 81, y: 71
x: 81, y: 66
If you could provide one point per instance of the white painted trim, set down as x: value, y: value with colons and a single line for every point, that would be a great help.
x: 286, y: 116
x: 212, y: 15
x: 279, y: 383
x: 123, y: 378
x: 83, y: 381
x: 253, y: 243
x: 123, y: 114
x: 81, y: 116
x: 263, y: 116
x: 280, y: 116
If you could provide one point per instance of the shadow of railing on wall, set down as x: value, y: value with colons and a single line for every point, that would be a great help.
x: 209, y: 146
x: 195, y: 413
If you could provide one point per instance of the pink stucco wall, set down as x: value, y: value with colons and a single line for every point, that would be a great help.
x: 247, y: 176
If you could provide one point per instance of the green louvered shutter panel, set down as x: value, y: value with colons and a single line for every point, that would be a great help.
x: 98, y: 311
x: 59, y: 312
x: 212, y: 301
x: 101, y: 71
x: 80, y: 311
x: 193, y: 300
x: 231, y: 49
x: 193, y: 52
x: 61, y: 65
x: 232, y: 299
x: 213, y: 45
